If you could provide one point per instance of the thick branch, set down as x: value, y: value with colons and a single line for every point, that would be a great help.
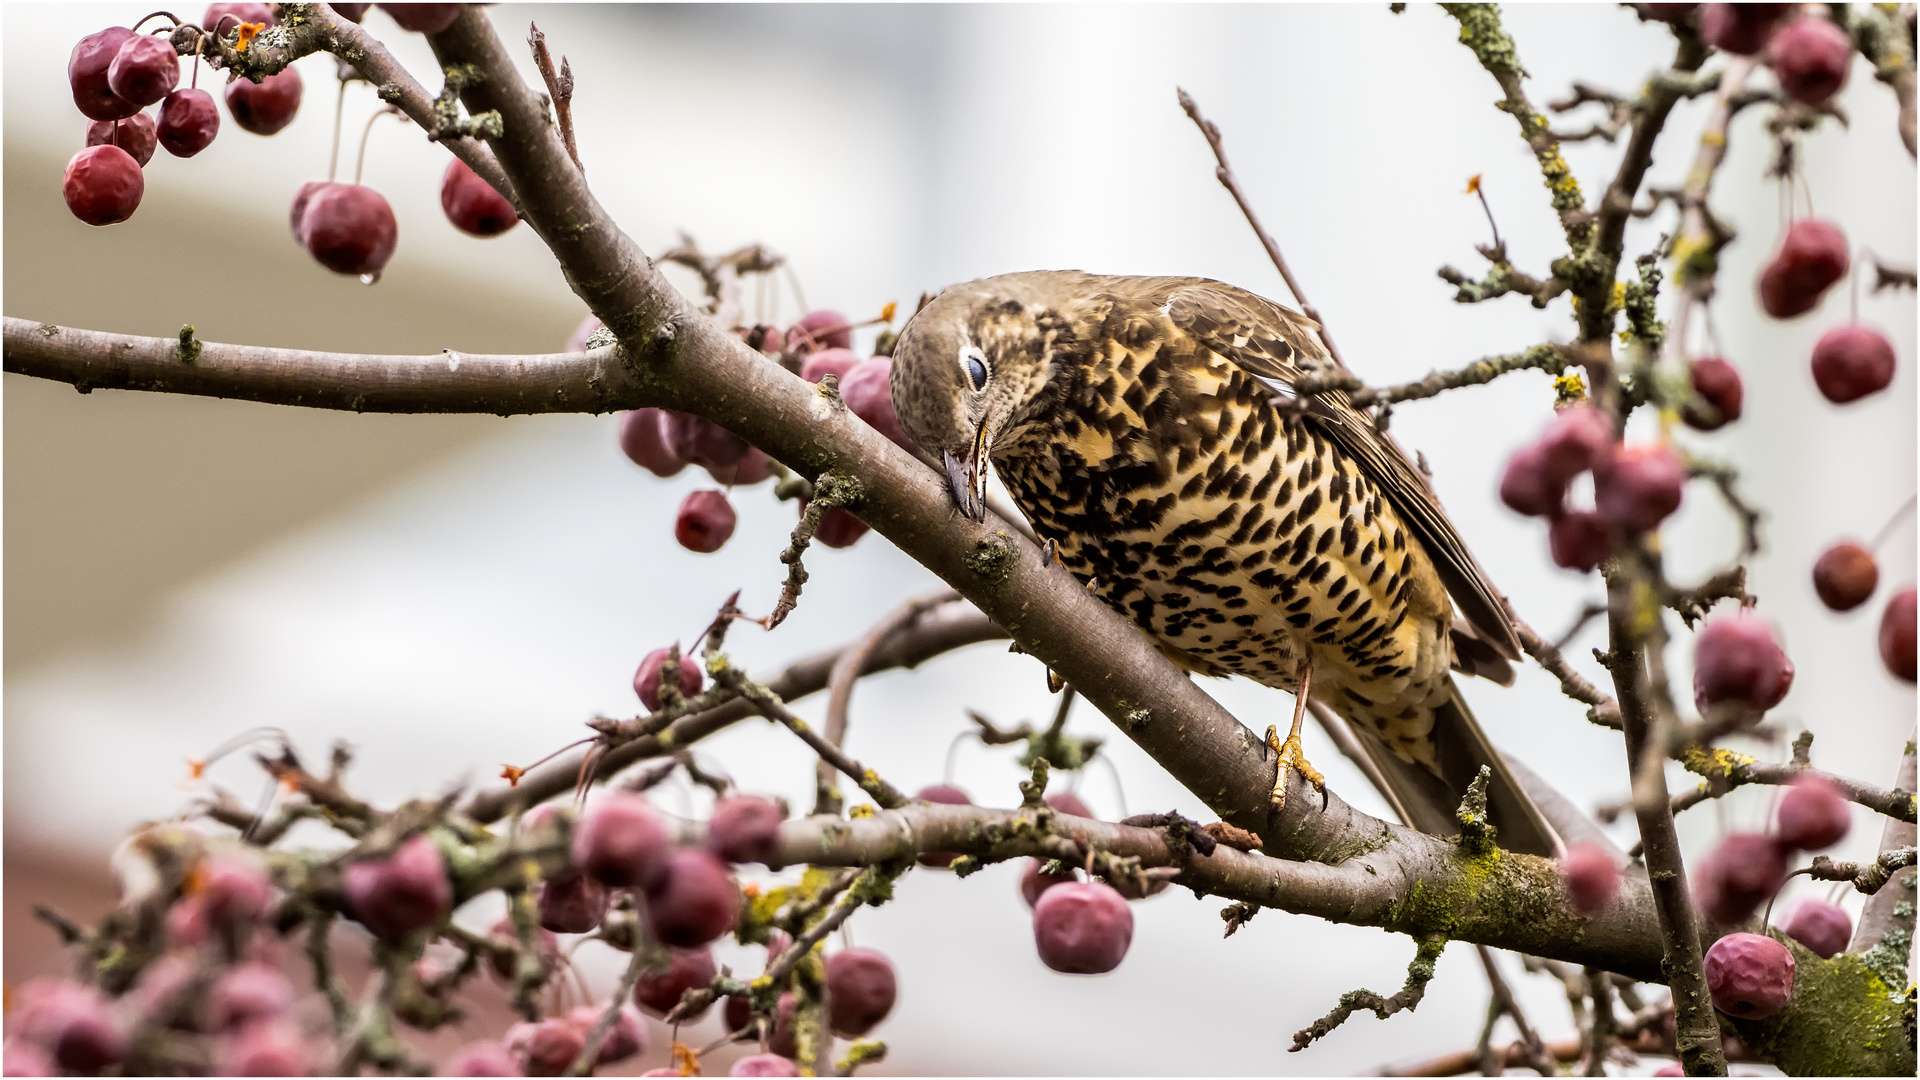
x: 1891, y: 909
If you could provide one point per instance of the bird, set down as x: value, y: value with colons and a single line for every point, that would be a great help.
x: 1152, y: 432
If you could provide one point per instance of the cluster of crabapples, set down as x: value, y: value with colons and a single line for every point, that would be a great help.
x: 1808, y: 53
x: 664, y: 442
x: 117, y: 72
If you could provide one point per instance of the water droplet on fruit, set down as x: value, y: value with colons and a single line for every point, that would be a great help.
x: 370, y: 279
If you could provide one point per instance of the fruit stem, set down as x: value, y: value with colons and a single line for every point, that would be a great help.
x: 170, y: 17
x: 1900, y: 515
x: 361, y: 162
x: 339, y: 108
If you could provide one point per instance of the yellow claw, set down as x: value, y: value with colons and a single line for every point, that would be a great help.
x: 1292, y: 758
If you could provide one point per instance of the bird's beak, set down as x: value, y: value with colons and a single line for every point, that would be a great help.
x: 968, y: 477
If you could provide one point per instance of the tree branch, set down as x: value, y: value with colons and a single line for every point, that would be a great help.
x: 846, y: 670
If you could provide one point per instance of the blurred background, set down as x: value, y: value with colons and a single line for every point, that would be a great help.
x: 450, y: 593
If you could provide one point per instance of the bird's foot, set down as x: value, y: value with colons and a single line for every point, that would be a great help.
x: 1293, y: 759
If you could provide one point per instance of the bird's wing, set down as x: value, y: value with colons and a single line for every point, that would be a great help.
x: 1278, y: 346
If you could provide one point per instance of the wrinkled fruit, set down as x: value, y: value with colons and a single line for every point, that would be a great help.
x: 620, y: 841
x: 658, y: 992
x: 145, y: 70
x: 87, y: 68
x: 188, y: 122
x: 135, y: 135
x: 103, y: 185
x: 1749, y: 976
x: 1822, y: 927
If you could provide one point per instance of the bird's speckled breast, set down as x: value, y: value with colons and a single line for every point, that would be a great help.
x: 1237, y: 536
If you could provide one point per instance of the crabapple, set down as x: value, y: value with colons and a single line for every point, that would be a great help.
x: 764, y: 1065
x: 1738, y: 876
x: 544, y: 942
x: 860, y: 991
x: 645, y: 444
x: 472, y: 205
x: 1578, y: 439
x: 1035, y: 880
x: 1592, y: 878
x: 349, y: 229
x: 1845, y: 575
x: 823, y: 329
x: 87, y: 73
x: 73, y: 1023
x: 1639, y: 487
x: 236, y: 14
x: 627, y: 1036
x: 705, y: 522
x: 188, y: 122
x: 247, y: 994
x: 267, y: 106
x: 572, y: 904
x: 1082, y: 928
x: 145, y: 70
x: 422, y: 18
x: 1810, y: 57
x: 1896, y: 635
x: 868, y: 392
x: 1578, y: 540
x: 487, y: 1057
x: 1740, y: 28
x: 1749, y: 975
x: 545, y: 1047
x: 1530, y: 486
x: 1736, y: 659
x: 1822, y: 927
x: 745, y: 829
x: 273, y: 1049
x: 620, y: 841
x: 659, y: 991
x: 1850, y: 362
x: 1812, y: 256
x: 836, y: 362
x: 103, y: 185
x: 695, y: 902
x: 646, y: 679
x: 400, y: 894
x: 135, y: 135
x: 1812, y: 815
x: 1716, y: 383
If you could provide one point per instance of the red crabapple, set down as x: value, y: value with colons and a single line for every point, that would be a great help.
x: 1812, y: 256
x: 658, y: 992
x: 275, y: 1049
x: 1082, y: 928
x: 646, y: 679
x: 764, y: 1065
x: 188, y: 122
x: 1578, y: 540
x: 545, y: 944
x: 1530, y: 486
x: 103, y: 185
x: 705, y: 522
x: 1740, y: 28
x: 233, y: 892
x: 645, y: 444
x: 222, y: 19
x: 267, y: 106
x: 745, y: 829
x: 350, y: 229
x: 836, y: 362
x: 620, y: 841
x: 87, y: 70
x: 74, y: 1024
x: 1066, y: 802
x: 1718, y: 386
x: 1897, y: 635
x: 1850, y: 362
x: 1749, y: 975
x: 1737, y: 660
x: 545, y: 1047
x: 423, y: 18
x: 1578, y: 439
x: 1591, y: 876
x: 868, y: 392
x: 860, y: 991
x: 135, y: 135
x: 353, y: 13
x: 572, y: 904
x: 1640, y: 487
x: 145, y: 70
x: 1845, y: 575
x: 1812, y: 815
x: 701, y: 441
x: 695, y: 902
x: 839, y: 528
x: 472, y: 205
x: 1738, y: 876
x: 1822, y: 927
x: 247, y: 994
x: 399, y: 894
x: 627, y: 1036
x: 1810, y: 58
x: 823, y: 329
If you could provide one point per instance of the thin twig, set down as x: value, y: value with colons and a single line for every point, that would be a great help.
x: 768, y: 705
x: 559, y: 90
x: 1504, y: 1002
x: 1224, y: 173
x: 846, y: 671
x: 1604, y: 711
x: 1419, y: 974
x: 583, y: 1062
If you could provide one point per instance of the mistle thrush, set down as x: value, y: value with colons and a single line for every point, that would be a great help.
x: 1149, y: 428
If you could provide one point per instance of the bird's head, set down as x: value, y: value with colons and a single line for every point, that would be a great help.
x: 975, y: 369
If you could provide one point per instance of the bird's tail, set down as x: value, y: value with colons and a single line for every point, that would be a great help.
x: 1429, y: 802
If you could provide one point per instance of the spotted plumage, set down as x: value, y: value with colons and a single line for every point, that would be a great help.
x: 1134, y: 422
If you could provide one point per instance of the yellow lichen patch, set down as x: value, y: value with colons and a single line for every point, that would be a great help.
x: 1715, y: 763
x: 1569, y: 389
x: 864, y: 810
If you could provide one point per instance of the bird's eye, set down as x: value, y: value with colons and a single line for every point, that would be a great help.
x: 977, y: 372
